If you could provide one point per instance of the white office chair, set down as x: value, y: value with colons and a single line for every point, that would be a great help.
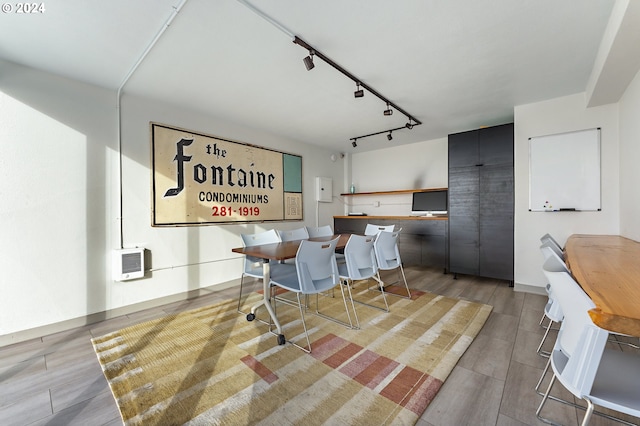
x: 372, y: 229
x: 322, y: 231
x: 552, y: 310
x: 600, y: 376
x: 253, y: 266
x: 316, y: 272
x: 547, y: 238
x: 293, y: 234
x: 551, y: 243
x: 360, y: 265
x: 388, y: 256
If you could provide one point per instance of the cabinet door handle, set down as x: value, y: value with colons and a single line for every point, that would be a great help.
x: 479, y: 165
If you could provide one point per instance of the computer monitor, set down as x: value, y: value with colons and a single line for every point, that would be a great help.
x: 429, y: 203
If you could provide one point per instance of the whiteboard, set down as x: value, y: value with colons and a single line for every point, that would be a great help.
x: 564, y: 171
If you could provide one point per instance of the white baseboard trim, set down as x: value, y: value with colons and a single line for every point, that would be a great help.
x: 525, y: 288
x: 45, y: 330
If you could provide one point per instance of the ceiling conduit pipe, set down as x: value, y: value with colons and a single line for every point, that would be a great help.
x: 176, y: 10
x: 268, y: 18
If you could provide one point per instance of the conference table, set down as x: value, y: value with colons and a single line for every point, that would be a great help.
x: 607, y: 267
x: 278, y: 252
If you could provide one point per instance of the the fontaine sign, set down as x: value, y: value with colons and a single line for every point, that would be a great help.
x: 200, y: 179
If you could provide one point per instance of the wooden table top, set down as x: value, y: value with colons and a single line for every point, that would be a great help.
x: 285, y: 250
x: 607, y: 267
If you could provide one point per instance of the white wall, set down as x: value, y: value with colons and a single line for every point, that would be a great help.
x: 59, y: 215
x: 413, y: 166
x: 55, y: 157
x: 550, y: 117
x: 629, y: 161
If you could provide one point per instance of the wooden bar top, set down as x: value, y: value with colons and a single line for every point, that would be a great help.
x: 607, y: 267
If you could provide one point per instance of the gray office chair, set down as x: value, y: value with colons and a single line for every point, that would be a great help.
x: 252, y: 266
x: 325, y: 231
x: 582, y: 364
x: 360, y: 265
x: 372, y: 229
x: 322, y: 231
x: 293, y: 234
x: 388, y: 256
x: 316, y: 272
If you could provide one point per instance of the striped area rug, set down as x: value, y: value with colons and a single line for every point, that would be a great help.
x: 209, y: 366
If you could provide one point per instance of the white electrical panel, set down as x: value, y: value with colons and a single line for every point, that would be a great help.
x: 128, y: 264
x: 324, y: 191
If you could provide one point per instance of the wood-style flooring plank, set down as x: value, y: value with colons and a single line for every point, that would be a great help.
x: 26, y: 410
x: 501, y: 326
x: 489, y: 356
x: 466, y: 398
x: 520, y: 402
x: 23, y: 369
x: 81, y: 389
x: 97, y: 411
x: 505, y: 301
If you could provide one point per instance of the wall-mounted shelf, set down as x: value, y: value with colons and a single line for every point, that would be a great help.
x: 400, y: 191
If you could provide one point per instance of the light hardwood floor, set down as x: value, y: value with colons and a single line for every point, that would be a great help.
x: 56, y: 379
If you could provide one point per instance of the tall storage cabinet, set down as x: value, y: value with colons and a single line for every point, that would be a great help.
x: 481, y: 202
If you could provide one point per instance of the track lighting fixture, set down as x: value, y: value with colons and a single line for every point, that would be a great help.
x: 359, y: 92
x: 360, y: 88
x: 308, y: 61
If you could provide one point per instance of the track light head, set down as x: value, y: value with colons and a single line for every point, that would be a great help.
x: 308, y: 61
x: 389, y: 137
x: 388, y: 111
x: 354, y: 143
x: 409, y: 125
x: 359, y: 92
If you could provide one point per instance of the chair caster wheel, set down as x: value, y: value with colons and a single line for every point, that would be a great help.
x: 281, y: 339
x: 251, y: 317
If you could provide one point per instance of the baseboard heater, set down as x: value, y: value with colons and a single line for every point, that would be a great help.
x: 128, y: 264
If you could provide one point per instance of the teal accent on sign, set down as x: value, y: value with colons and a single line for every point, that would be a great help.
x: 292, y: 165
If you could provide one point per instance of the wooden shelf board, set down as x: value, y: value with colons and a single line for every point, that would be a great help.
x: 400, y: 191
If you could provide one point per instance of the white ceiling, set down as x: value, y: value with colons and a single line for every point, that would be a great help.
x: 453, y: 64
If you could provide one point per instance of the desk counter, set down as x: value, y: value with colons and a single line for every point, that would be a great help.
x: 374, y: 218
x: 423, y: 240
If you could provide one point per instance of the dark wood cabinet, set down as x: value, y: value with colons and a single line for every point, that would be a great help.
x: 481, y: 202
x: 423, y: 241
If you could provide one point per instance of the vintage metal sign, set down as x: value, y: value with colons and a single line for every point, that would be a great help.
x: 200, y: 179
